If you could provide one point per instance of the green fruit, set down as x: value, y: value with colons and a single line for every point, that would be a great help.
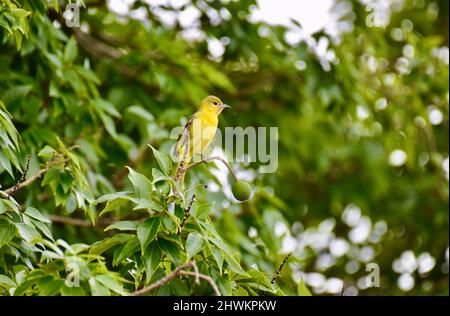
x: 241, y: 190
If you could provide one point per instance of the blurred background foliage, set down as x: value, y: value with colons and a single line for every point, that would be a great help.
x: 361, y: 110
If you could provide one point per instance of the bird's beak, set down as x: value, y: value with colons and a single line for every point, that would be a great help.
x: 223, y: 106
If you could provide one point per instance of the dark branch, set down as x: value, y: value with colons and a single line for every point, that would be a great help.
x: 280, y: 268
x: 186, y: 214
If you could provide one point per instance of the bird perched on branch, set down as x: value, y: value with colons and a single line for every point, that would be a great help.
x: 197, y: 134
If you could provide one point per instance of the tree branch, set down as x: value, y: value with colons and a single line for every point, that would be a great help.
x: 179, y: 271
x: 57, y: 159
x: 207, y: 160
x: 22, y: 179
x: 100, y: 222
x: 70, y: 221
x: 205, y: 278
x: 95, y: 47
x: 175, y: 273
x: 20, y: 184
x: 280, y: 268
x: 186, y: 214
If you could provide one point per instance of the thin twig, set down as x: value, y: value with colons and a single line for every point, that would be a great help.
x: 207, y: 160
x: 343, y: 289
x: 186, y: 214
x: 182, y: 169
x: 174, y: 274
x: 22, y: 179
x: 101, y: 222
x: 280, y: 268
x: 96, y: 47
x: 197, y: 273
x: 205, y: 278
x: 71, y: 221
x: 36, y: 176
x: 56, y: 160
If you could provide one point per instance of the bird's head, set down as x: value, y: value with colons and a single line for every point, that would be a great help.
x: 213, y: 104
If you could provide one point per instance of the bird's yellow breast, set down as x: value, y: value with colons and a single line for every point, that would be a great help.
x: 203, y: 131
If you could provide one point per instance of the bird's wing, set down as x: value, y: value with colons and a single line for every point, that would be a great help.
x: 182, y: 145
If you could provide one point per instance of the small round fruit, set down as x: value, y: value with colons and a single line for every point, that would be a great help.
x: 241, y: 190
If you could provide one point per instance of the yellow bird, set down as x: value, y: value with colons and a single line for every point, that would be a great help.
x: 198, y: 133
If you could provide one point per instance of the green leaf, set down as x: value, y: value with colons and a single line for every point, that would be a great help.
x: 114, y: 205
x: 10, y: 204
x: 223, y: 282
x: 66, y: 180
x: 97, y: 289
x: 6, y: 282
x: 34, y: 213
x: 122, y: 225
x: 112, y: 196
x: 47, y: 254
x: 88, y: 74
x: 71, y: 50
x: 175, y: 220
x: 170, y: 249
x: 6, y: 164
x: 47, y: 152
x: 49, y: 286
x: 4, y: 207
x: 54, y: 60
x: 128, y: 249
x: 108, y: 122
x: 51, y: 175
x: 147, y: 231
x: 28, y: 233
x: 20, y: 13
x: 302, y: 289
x: 106, y: 106
x: 23, y: 287
x: 194, y: 244
x: 203, y: 210
x: 71, y: 203
x: 105, y: 244
x: 176, y: 239
x: 141, y: 184
x: 140, y: 112
x: 216, y: 77
x: 234, y: 266
x: 239, y: 291
x: 148, y: 204
x: 7, y: 231
x: 259, y: 278
x: 111, y: 283
x: 43, y: 227
x: 152, y: 257
x: 72, y: 291
x: 179, y: 288
x: 257, y: 286
x: 218, y: 257
x: 163, y: 160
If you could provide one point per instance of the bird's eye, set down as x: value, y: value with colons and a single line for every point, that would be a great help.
x: 215, y: 103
